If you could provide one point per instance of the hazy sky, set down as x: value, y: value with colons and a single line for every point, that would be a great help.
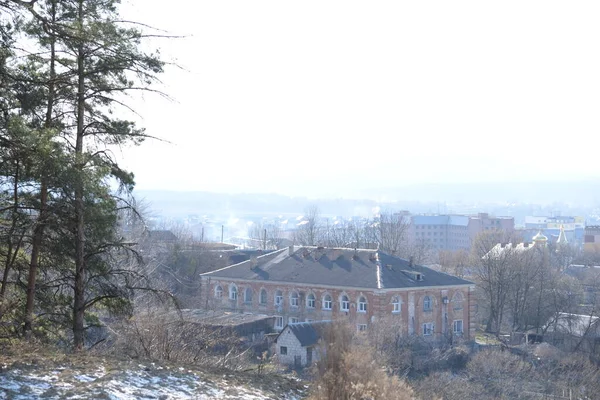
x: 324, y: 97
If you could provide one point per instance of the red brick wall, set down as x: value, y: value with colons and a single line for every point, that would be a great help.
x: 379, y: 304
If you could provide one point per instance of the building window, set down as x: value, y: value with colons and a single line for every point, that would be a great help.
x: 396, y: 304
x: 283, y: 350
x: 457, y: 301
x: 278, y: 298
x: 427, y: 304
x: 294, y: 299
x: 218, y: 292
x: 294, y: 320
x: 310, y: 301
x: 309, y: 320
x: 232, y: 292
x: 428, y: 329
x: 278, y: 322
x: 361, y: 327
x: 263, y: 296
x: 248, y: 295
x: 345, y: 303
x: 362, y: 304
x: 327, y: 302
x: 458, y: 327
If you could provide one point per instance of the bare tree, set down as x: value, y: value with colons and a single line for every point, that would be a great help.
x: 454, y: 262
x: 421, y: 251
x: 389, y: 230
x: 348, y: 370
x: 266, y: 236
x: 310, y: 229
x: 493, y: 272
x: 344, y: 233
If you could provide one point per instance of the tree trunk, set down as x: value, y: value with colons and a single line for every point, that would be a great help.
x: 38, y: 233
x: 10, y: 247
x: 79, y: 298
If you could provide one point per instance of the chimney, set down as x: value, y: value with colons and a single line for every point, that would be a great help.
x: 411, y: 261
x: 291, y: 250
x: 253, y: 261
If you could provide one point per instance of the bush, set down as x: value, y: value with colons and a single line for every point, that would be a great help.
x: 349, y: 371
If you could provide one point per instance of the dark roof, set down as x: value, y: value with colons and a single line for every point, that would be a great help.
x: 336, y: 267
x: 307, y: 333
x: 216, y: 317
x: 166, y: 236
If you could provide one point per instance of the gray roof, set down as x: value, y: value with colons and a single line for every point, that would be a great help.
x: 216, y: 317
x: 165, y: 236
x: 307, y: 333
x: 371, y: 269
x: 575, y: 324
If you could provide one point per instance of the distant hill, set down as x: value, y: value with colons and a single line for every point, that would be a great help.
x: 496, y: 198
x: 582, y: 192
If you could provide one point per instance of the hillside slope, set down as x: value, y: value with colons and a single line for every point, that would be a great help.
x: 34, y: 376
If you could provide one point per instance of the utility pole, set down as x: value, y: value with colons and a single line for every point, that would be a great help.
x: 222, y: 228
x: 265, y: 239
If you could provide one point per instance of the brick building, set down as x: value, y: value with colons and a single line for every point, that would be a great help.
x: 304, y: 284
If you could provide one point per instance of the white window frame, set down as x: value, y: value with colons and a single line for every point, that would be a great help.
x: 294, y: 299
x: 278, y: 298
x: 327, y: 304
x: 397, y: 305
x: 427, y: 304
x: 454, y: 326
x: 428, y: 329
x: 294, y: 320
x: 218, y: 291
x: 248, y: 290
x: 278, y: 318
x: 260, y: 297
x: 362, y: 305
x: 345, y: 304
x: 233, y: 292
x: 311, y: 301
x: 457, y: 301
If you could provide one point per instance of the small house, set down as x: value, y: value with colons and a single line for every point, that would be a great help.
x: 296, y: 345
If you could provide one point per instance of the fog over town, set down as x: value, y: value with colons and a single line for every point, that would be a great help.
x: 324, y: 200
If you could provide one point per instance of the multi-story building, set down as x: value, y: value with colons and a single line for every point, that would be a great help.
x: 454, y: 232
x: 304, y: 284
x: 591, y: 243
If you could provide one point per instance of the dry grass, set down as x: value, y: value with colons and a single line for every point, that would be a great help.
x: 36, y: 371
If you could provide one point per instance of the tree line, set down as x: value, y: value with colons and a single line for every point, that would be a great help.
x: 388, y: 231
x: 67, y: 72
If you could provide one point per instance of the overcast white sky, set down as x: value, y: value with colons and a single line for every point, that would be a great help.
x: 323, y: 97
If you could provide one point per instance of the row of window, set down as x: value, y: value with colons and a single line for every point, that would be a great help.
x: 442, y: 234
x: 428, y: 328
x: 311, y: 300
x: 327, y: 303
x: 441, y: 227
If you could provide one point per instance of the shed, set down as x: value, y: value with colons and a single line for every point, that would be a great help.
x: 296, y: 344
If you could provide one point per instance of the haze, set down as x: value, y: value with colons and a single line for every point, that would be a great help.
x: 328, y: 98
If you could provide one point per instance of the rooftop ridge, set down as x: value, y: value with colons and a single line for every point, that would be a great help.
x: 272, y: 254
